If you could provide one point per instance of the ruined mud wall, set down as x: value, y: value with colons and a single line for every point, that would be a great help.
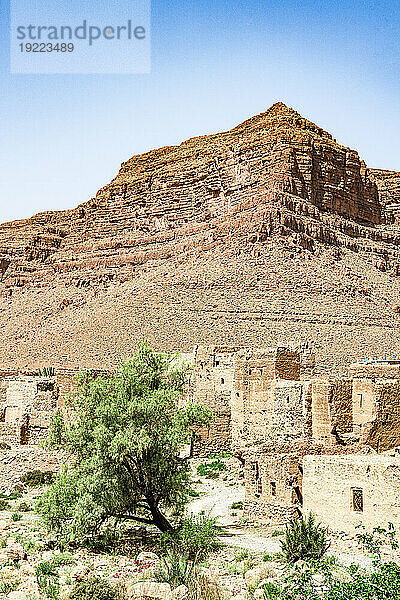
x: 17, y: 461
x: 384, y: 432
x: 211, y: 384
x: 273, y: 488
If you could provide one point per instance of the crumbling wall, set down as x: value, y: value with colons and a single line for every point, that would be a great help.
x: 341, y: 405
x: 211, y: 384
x: 268, y: 400
x: 273, y: 487
x: 364, y: 403
x: 17, y: 461
x: 376, y: 369
x: 383, y: 433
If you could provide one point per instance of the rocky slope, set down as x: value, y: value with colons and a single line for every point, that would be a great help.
x: 271, y: 232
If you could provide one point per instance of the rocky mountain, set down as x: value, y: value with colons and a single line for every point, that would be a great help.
x: 271, y: 232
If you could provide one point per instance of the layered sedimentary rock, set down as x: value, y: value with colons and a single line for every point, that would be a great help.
x: 388, y: 184
x: 269, y: 233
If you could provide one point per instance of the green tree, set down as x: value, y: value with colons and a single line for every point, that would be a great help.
x: 125, y: 442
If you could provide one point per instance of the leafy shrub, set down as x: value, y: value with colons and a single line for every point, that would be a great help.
x: 381, y: 584
x: 375, y: 540
x: 16, y: 516
x: 178, y: 569
x: 4, y: 505
x: 237, y: 505
x: 304, y: 540
x: 196, y: 536
x: 211, y: 469
x: 24, y: 507
x: 37, y: 477
x: 94, y: 589
x: 298, y: 583
x: 7, y: 586
x: 271, y: 591
x: 48, y: 580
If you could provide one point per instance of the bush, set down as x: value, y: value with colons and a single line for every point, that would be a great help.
x: 271, y: 591
x: 178, y: 569
x: 37, y: 477
x: 24, y: 507
x: 196, y: 536
x: 95, y: 589
x: 304, y: 540
x: 48, y: 580
x: 46, y: 372
x: 211, y: 469
x: 241, y: 555
x: 382, y: 584
x: 237, y: 505
x: 16, y: 516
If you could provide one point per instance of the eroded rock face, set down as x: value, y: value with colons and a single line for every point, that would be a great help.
x: 223, y: 237
x: 388, y: 184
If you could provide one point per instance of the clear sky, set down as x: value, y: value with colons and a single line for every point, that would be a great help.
x: 214, y: 64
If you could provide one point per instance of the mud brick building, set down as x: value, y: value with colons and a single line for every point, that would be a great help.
x: 346, y: 491
x: 28, y: 402
x: 212, y: 384
x: 352, y: 418
x: 270, y: 411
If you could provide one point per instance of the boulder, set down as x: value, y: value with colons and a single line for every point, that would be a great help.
x: 150, y: 590
x: 180, y: 593
x: 17, y: 596
x: 257, y: 574
x: 80, y: 572
x: 144, y: 557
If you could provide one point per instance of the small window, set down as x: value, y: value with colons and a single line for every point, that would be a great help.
x: 258, y: 487
x: 237, y: 394
x: 255, y: 468
x: 273, y: 488
x: 360, y: 400
x: 250, y: 371
x: 222, y: 381
x: 357, y: 500
x: 217, y: 363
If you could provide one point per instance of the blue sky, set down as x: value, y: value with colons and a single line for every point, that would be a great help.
x: 214, y: 64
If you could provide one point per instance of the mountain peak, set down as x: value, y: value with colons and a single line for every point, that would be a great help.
x: 244, y: 237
